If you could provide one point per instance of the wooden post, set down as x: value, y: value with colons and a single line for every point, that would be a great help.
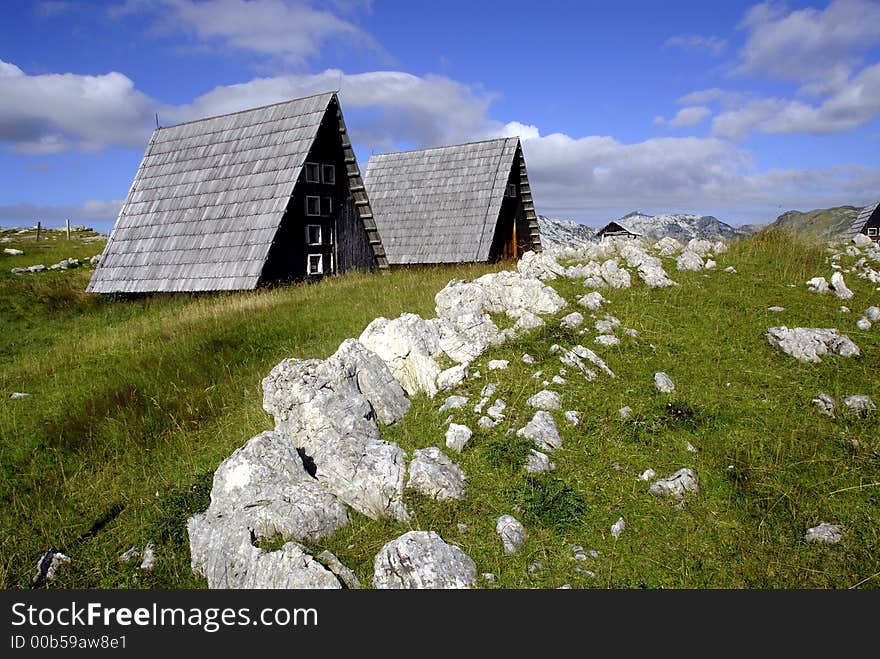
x: 68, y: 228
x: 39, y: 227
x: 515, y: 246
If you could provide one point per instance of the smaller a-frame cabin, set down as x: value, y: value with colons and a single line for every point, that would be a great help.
x: 617, y: 230
x: 867, y: 222
x: 241, y: 200
x: 454, y: 204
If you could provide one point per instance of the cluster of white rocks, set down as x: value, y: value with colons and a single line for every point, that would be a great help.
x: 64, y: 264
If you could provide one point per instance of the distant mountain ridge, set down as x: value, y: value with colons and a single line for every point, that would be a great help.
x: 681, y: 226
x: 564, y: 233
x: 819, y: 223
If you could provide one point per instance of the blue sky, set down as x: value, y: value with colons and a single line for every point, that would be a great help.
x: 736, y: 109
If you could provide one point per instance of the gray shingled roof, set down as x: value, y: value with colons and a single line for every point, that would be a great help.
x: 207, y: 200
x: 622, y: 225
x: 440, y: 205
x: 859, y: 224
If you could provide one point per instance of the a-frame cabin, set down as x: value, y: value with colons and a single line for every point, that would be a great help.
x: 233, y: 202
x: 463, y: 203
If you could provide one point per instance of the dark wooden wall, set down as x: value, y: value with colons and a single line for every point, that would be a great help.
x: 511, y: 212
x: 345, y: 243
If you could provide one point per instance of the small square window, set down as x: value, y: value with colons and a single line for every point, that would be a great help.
x: 313, y: 234
x: 326, y: 205
x: 313, y: 172
x: 315, y: 264
x: 511, y: 189
x: 313, y: 206
x: 328, y: 174
x: 873, y: 231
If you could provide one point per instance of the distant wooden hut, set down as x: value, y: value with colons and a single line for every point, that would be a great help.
x: 867, y: 222
x: 233, y: 202
x: 463, y: 203
x: 617, y: 230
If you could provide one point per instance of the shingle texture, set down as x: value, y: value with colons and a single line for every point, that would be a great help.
x: 859, y: 224
x: 440, y: 205
x: 208, y: 199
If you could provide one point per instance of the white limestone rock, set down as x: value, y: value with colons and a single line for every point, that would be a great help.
x: 496, y: 410
x: 329, y: 409
x: 487, y: 423
x: 860, y: 404
x: 433, y: 474
x: 825, y: 403
x: 614, y: 275
x: 421, y: 559
x: 809, y: 344
x: 839, y: 287
x: 647, y: 475
x: 667, y: 246
x: 538, y: 462
x: 655, y: 276
x: 572, y: 320
x: 498, y: 364
x: 863, y: 324
x: 606, y: 340
x: 663, y: 383
x: 593, y: 358
x: 592, y: 301
x: 873, y: 314
x: 453, y: 403
x: 232, y: 561
x: 699, y: 246
x: 625, y: 412
x: 457, y: 436
x: 709, y: 264
x: 823, y: 534
x: 776, y: 309
x: 527, y: 359
x: 817, y: 284
x: 542, y: 430
x: 618, y: 528
x: 730, y: 269
x: 452, y: 377
x: 512, y: 533
x: 572, y: 417
x: 540, y: 265
x: 408, y: 345
x: 545, y: 400
x: 346, y: 576
x: 689, y: 260
x: 682, y: 482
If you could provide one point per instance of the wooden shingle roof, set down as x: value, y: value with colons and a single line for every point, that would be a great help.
x: 859, y: 223
x: 207, y: 200
x: 441, y: 205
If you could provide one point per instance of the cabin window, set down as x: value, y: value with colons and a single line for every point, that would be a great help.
x: 313, y: 172
x: 511, y: 189
x: 313, y: 234
x: 873, y: 232
x: 328, y: 174
x: 326, y: 205
x: 313, y: 206
x: 315, y: 264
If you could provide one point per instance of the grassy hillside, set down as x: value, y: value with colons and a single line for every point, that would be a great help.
x: 135, y: 402
x: 819, y: 223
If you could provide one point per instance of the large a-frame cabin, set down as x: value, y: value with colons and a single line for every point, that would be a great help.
x: 463, y: 203
x: 233, y: 202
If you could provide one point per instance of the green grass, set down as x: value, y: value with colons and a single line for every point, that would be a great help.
x: 135, y: 402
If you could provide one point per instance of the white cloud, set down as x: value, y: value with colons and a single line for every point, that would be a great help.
x: 57, y: 112
x: 817, y: 48
x: 292, y: 31
x: 597, y: 178
x: 687, y: 116
x: 54, y: 112
x: 854, y: 104
x: 696, y: 43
